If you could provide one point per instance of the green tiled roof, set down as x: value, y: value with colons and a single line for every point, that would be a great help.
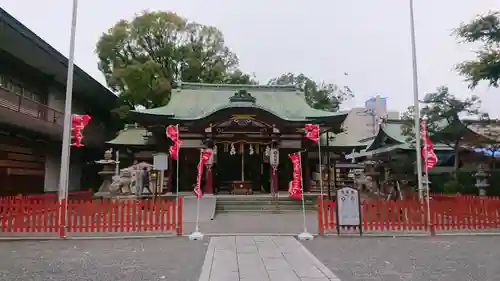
x: 195, y: 101
x: 131, y: 136
x: 340, y: 140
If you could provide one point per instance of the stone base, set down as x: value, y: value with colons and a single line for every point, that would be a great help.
x: 305, y: 236
x: 195, y: 236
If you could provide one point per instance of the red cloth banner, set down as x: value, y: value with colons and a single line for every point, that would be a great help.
x: 78, y: 123
x: 294, y: 189
x: 430, y: 157
x: 312, y: 132
x: 173, y: 133
x: 204, y: 157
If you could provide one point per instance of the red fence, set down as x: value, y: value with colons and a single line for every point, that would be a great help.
x: 84, y: 217
x: 75, y: 195
x: 458, y: 213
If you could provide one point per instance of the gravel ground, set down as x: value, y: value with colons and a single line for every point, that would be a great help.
x: 471, y: 258
x: 175, y: 259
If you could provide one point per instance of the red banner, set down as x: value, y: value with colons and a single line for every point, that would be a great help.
x: 204, y: 157
x: 78, y: 123
x: 294, y: 189
x: 312, y: 132
x: 173, y: 133
x: 430, y: 158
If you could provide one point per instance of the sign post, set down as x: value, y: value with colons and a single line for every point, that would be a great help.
x: 348, y: 209
x: 160, y: 163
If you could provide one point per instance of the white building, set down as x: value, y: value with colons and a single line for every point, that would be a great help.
x: 362, y: 122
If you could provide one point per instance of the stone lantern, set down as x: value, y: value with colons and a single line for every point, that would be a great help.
x: 482, y: 180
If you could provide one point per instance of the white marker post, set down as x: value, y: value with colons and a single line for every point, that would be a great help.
x: 304, y: 235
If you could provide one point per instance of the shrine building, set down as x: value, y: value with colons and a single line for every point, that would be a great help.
x: 242, y: 124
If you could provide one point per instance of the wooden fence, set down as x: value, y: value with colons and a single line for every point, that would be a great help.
x: 88, y: 217
x: 448, y: 214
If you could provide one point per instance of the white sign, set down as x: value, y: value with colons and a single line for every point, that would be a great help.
x: 274, y: 157
x: 160, y: 161
x: 348, y: 206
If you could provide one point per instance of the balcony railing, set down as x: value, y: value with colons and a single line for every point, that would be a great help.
x: 18, y: 103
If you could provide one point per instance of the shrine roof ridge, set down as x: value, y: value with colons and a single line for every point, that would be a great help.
x: 235, y: 87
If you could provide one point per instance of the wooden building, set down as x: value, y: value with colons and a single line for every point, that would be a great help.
x: 241, y: 123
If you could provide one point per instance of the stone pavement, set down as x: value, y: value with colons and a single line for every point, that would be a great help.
x: 261, y: 258
x: 256, y: 223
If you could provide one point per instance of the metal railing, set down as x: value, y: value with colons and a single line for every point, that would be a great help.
x: 18, y: 103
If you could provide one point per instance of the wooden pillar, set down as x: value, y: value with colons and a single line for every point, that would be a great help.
x: 208, y: 179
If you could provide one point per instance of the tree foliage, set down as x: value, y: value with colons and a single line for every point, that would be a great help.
x: 319, y: 95
x: 443, y: 111
x: 486, y: 65
x: 143, y: 59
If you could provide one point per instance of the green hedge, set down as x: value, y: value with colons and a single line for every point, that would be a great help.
x: 441, y: 183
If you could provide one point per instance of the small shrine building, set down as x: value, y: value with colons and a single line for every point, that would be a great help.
x: 241, y: 124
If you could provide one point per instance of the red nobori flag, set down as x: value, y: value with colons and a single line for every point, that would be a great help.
x: 312, y: 132
x: 204, y: 157
x: 294, y: 188
x: 173, y: 133
x: 430, y: 158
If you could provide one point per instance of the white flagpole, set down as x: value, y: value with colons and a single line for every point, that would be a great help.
x: 416, y: 102
x: 426, y: 169
x: 304, y: 235
x: 178, y: 160
x: 197, y: 235
x: 65, y: 153
x: 320, y: 168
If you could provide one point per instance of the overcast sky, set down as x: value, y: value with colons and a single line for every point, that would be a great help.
x: 369, y: 40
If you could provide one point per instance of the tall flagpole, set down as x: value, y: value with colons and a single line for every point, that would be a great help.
x: 65, y: 153
x: 416, y: 102
x: 304, y: 235
x: 197, y: 235
x: 426, y: 170
x: 320, y: 167
x: 178, y: 160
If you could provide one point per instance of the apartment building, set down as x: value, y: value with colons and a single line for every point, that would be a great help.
x: 362, y: 122
x: 32, y: 96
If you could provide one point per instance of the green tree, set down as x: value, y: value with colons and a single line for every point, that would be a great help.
x: 486, y: 64
x: 443, y: 111
x: 143, y: 59
x: 319, y: 95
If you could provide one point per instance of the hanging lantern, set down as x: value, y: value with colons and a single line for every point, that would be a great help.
x: 233, y: 150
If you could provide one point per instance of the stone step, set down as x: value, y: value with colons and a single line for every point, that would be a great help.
x: 261, y: 203
x: 288, y: 203
x: 228, y: 208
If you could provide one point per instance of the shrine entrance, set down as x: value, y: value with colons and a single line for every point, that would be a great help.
x: 241, y: 169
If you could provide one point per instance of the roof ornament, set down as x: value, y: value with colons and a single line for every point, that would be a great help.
x: 242, y: 96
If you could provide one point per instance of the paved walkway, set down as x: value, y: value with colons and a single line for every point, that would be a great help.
x: 261, y: 258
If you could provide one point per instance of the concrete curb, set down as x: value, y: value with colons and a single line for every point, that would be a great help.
x: 331, y: 235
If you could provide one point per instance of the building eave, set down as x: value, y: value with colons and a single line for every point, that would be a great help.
x: 84, y: 87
